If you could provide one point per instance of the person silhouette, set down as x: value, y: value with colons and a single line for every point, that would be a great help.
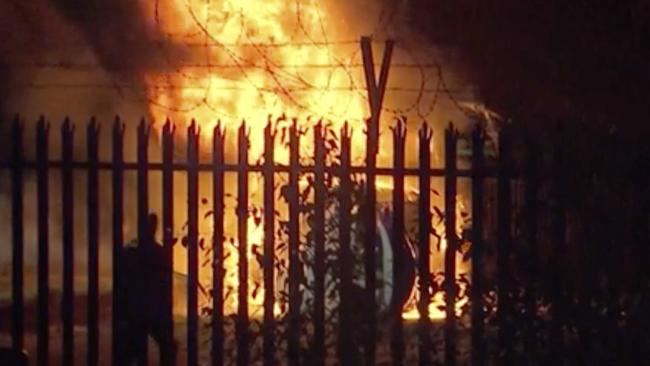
x: 146, y: 297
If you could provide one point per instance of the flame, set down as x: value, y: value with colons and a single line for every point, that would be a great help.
x: 436, y: 263
x: 250, y: 60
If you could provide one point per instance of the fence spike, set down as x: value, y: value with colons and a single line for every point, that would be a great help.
x: 142, y: 199
x: 217, y: 244
x: 269, y: 246
x: 67, y: 300
x: 558, y: 232
x: 319, y: 245
x: 478, y: 146
x: 42, y: 134
x: 92, y: 192
x: 347, y: 350
x: 293, y: 340
x: 192, y: 252
x: 118, y: 240
x: 398, y: 243
x: 424, y: 247
x: 530, y: 217
x: 166, y: 352
x: 504, y: 246
x: 372, y: 145
x: 452, y: 244
x: 242, y: 330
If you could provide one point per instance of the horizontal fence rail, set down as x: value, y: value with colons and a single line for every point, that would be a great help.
x: 358, y: 318
x: 256, y: 168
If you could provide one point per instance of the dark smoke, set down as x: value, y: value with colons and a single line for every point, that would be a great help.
x: 115, y: 35
x: 118, y: 32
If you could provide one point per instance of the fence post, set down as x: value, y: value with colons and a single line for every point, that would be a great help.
x: 42, y: 134
x: 192, y: 244
x: 42, y: 137
x: 399, y: 139
x: 320, y: 193
x: 67, y: 303
x: 269, y: 245
x: 376, y: 93
x: 118, y: 239
x: 532, y: 188
x: 217, y: 244
x: 478, y: 344
x: 424, y: 232
x: 370, y: 250
x: 558, y: 232
x: 17, y: 291
x: 92, y: 192
x: 294, y: 247
x: 504, y: 246
x: 143, y: 211
x: 168, y: 357
x: 242, y: 235
x: 346, y: 346
x: 452, y: 244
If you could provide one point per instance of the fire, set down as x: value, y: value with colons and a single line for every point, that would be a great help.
x: 248, y: 60
x: 436, y: 310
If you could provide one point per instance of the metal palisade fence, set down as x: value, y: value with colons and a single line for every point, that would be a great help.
x: 501, y: 173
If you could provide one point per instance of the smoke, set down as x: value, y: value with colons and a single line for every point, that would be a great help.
x: 112, y: 28
x: 41, y: 38
x: 38, y: 41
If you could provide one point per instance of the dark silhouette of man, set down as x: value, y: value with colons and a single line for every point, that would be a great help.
x: 146, y: 302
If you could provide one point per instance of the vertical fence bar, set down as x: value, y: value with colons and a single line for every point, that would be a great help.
x: 168, y: 356
x: 504, y: 246
x: 346, y: 346
x: 143, y: 224
x: 217, y: 245
x: 67, y: 303
x: 399, y: 140
x: 242, y: 234
x: 319, y: 246
x: 376, y: 91
x: 92, y: 210
x: 558, y: 237
x: 478, y: 161
x: 269, y: 246
x: 118, y: 240
x: 370, y: 255
x: 531, y: 206
x: 424, y: 232
x: 192, y: 244
x: 294, y: 247
x: 43, y: 340
x: 452, y: 245
x: 17, y: 291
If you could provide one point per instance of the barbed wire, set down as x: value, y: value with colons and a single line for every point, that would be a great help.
x: 109, y: 85
x: 246, y: 56
x: 92, y: 66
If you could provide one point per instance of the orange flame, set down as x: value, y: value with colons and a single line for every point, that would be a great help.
x: 248, y: 60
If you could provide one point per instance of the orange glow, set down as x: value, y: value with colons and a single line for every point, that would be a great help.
x: 246, y: 60
x: 229, y: 72
x: 437, y: 264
